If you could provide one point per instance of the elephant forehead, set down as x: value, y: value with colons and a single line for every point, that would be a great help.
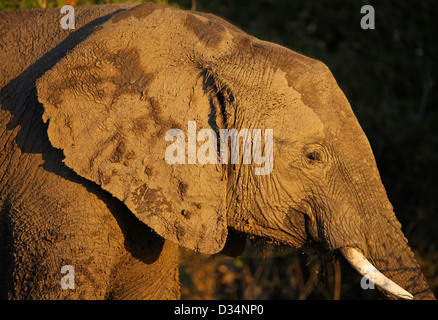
x: 290, y: 117
x: 207, y: 31
x: 318, y: 89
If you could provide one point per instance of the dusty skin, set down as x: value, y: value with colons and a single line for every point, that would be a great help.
x: 84, y: 181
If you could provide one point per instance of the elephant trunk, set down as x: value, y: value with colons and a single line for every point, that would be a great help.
x: 365, y: 268
x: 388, y: 262
x: 393, y: 257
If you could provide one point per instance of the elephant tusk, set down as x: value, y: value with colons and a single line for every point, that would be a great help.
x: 365, y: 268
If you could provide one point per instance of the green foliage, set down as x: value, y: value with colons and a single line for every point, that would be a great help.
x: 389, y: 76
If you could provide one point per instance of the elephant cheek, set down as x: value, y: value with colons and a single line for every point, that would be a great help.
x: 296, y: 225
x: 338, y: 228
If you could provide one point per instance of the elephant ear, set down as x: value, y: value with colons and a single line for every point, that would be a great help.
x: 110, y: 104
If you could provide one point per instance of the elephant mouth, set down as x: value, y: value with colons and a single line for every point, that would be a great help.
x: 355, y: 257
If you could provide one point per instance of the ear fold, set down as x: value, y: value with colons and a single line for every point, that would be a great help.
x: 111, y: 102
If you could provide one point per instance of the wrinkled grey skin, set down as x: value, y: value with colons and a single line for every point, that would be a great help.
x: 84, y: 181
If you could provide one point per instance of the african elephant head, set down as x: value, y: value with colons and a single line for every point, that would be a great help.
x: 145, y: 108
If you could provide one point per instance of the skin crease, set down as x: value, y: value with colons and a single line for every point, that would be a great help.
x: 106, y: 201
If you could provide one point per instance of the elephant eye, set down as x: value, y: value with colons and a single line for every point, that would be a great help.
x: 315, y: 155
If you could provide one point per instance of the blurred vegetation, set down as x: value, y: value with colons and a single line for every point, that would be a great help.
x: 389, y: 76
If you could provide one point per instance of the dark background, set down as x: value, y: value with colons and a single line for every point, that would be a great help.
x: 389, y: 76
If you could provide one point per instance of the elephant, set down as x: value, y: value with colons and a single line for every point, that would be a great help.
x: 106, y: 169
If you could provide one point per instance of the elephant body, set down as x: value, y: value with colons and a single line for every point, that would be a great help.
x: 83, y: 176
x: 50, y: 217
